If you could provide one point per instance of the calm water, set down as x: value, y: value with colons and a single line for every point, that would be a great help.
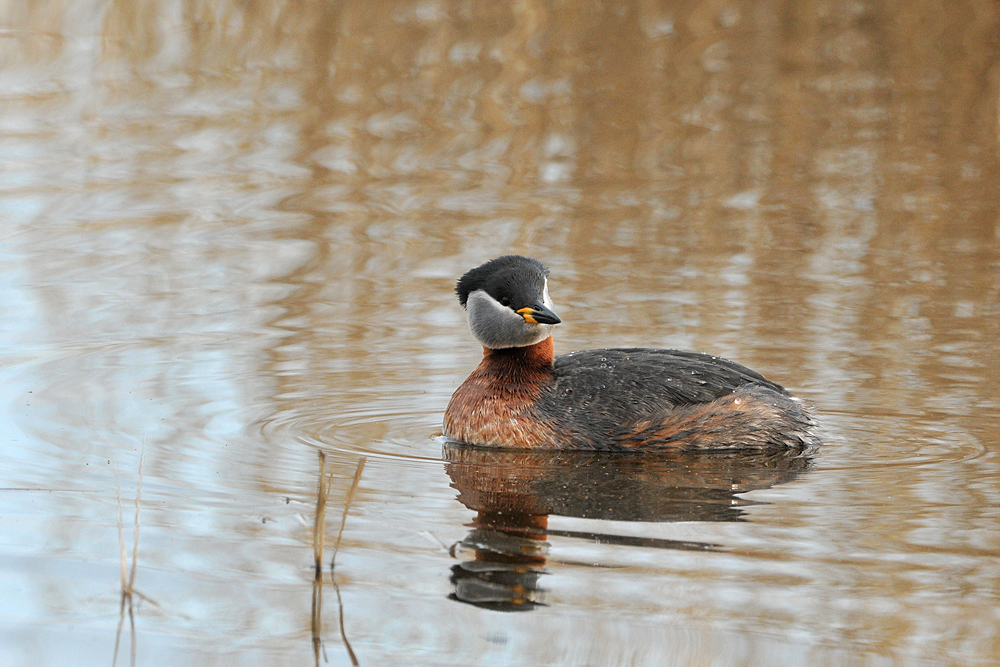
x: 229, y: 233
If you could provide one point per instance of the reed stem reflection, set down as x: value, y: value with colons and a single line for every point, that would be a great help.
x: 128, y: 592
x: 319, y: 541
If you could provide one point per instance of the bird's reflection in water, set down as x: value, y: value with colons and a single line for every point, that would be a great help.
x: 514, y: 492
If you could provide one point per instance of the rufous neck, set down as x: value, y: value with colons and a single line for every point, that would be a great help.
x: 540, y: 354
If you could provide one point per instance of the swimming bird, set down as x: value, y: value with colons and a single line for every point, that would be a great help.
x: 522, y: 395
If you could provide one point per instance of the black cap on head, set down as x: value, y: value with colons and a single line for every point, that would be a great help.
x: 512, y: 280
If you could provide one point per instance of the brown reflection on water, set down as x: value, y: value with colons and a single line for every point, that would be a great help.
x: 810, y: 175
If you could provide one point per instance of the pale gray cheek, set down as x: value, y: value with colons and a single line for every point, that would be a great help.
x: 540, y: 333
x: 494, y: 334
x: 497, y: 334
x: 497, y: 327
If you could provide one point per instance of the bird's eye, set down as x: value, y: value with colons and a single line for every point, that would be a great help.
x: 505, y: 300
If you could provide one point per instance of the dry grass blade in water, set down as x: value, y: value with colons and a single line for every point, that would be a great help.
x: 347, y: 507
x: 333, y: 560
x: 128, y: 574
x: 319, y: 525
x: 319, y: 539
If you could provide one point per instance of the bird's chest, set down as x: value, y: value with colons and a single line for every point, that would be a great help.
x: 492, y: 409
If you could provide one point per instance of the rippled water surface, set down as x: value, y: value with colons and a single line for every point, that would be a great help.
x: 229, y: 234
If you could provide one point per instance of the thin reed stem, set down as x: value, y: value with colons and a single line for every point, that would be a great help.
x: 135, y: 535
x: 347, y: 506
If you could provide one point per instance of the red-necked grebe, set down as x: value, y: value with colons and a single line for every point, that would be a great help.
x: 522, y: 395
